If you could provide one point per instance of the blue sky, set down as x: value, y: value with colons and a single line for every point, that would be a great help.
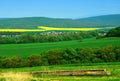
x: 58, y: 8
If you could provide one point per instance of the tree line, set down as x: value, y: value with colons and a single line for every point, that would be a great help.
x: 38, y: 38
x: 66, y: 56
x: 114, y: 32
x: 111, y: 33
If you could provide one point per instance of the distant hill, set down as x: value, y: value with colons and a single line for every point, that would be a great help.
x: 3, y: 18
x: 104, y: 19
x: 34, y: 22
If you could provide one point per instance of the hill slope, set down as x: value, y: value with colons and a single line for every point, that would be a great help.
x: 25, y: 50
x: 34, y: 22
x: 104, y: 19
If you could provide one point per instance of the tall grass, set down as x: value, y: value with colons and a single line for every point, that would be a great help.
x: 12, y: 76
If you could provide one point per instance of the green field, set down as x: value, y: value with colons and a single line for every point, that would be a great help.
x: 111, y: 67
x: 25, y: 50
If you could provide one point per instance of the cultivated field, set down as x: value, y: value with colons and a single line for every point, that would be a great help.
x: 21, y: 30
x: 43, y: 28
x: 25, y: 50
x: 67, y: 29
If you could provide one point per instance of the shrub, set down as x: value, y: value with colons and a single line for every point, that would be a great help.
x: 34, y: 60
x: 54, y: 56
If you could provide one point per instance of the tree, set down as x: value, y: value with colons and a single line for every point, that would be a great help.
x: 34, y: 60
x: 85, y: 55
x: 1, y: 61
x: 54, y: 56
x: 108, y: 54
x: 70, y: 55
x: 6, y: 62
x: 26, y: 38
x: 114, y: 32
x: 53, y: 38
x: 97, y: 59
x: 16, y: 61
x: 117, y: 53
x: 67, y: 37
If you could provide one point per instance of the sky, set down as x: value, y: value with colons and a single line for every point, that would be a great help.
x: 58, y: 8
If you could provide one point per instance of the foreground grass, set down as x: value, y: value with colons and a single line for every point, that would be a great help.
x: 25, y: 50
x: 112, y: 67
x: 11, y: 76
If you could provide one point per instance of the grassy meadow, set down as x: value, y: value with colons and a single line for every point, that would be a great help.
x: 25, y: 50
x: 14, y: 73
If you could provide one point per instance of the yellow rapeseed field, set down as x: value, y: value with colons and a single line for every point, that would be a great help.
x: 44, y: 28
x: 69, y: 29
x: 21, y: 30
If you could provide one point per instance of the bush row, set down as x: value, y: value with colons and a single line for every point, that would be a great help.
x: 67, y: 56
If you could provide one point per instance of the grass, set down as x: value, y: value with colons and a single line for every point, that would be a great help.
x: 12, y: 76
x: 111, y: 67
x: 67, y: 29
x: 25, y: 50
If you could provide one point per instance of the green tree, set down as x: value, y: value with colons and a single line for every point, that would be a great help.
x: 16, y: 61
x: 85, y: 55
x: 34, y: 60
x: 67, y: 37
x: 117, y: 53
x: 70, y: 55
x: 6, y: 62
x: 1, y: 61
x: 26, y: 38
x: 108, y: 54
x: 114, y: 32
x: 53, y: 38
x: 54, y: 56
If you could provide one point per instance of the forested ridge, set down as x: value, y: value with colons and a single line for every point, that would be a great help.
x: 34, y: 22
x: 113, y: 19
